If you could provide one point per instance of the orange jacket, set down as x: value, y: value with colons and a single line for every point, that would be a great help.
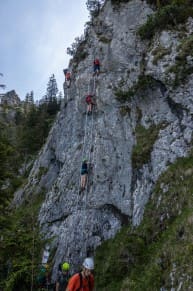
x: 68, y: 76
x: 74, y: 283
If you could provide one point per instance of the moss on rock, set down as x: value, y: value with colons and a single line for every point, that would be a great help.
x: 158, y: 253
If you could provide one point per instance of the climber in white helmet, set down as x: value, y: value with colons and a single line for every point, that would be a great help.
x: 84, y: 280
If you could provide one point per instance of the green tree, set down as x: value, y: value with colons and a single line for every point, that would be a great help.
x: 21, y: 243
x: 52, y: 88
x: 20, y: 247
x: 2, y: 85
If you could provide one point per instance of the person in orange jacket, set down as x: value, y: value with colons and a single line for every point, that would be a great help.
x: 84, y: 280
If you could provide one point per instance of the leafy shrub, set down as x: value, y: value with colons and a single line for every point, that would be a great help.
x: 158, y: 3
x: 161, y: 244
x: 182, y: 69
x: 119, y: 1
x: 123, y: 96
x: 42, y: 171
x: 159, y: 53
x: 166, y: 17
x: 145, y: 141
x: 21, y: 233
x: 77, y: 50
x: 144, y: 83
x: 125, y: 110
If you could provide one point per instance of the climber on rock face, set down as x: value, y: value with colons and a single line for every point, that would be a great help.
x: 90, y: 103
x: 84, y: 280
x: 84, y: 174
x: 65, y: 71
x: 67, y: 77
x: 96, y: 64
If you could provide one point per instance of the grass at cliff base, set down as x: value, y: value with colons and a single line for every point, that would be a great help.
x: 159, y: 252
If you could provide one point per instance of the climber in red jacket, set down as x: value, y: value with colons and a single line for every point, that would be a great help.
x: 90, y: 103
x: 67, y: 77
x: 96, y: 64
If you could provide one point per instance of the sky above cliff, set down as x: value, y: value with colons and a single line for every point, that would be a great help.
x: 34, y: 37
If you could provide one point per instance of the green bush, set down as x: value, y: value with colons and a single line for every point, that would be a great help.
x: 42, y: 171
x: 21, y: 245
x: 123, y: 96
x: 167, y: 17
x: 142, y: 258
x: 159, y: 52
x: 145, y: 139
x: 119, y: 1
x: 144, y: 83
x: 161, y: 3
x: 182, y: 69
x: 125, y: 110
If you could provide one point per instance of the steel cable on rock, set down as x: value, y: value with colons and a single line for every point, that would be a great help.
x: 66, y: 242
x: 91, y: 161
x: 85, y: 135
x: 88, y: 133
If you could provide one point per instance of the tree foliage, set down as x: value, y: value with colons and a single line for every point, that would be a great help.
x: 20, y: 247
x: 168, y: 16
x: 2, y: 85
x: 20, y: 141
x: 75, y: 45
x: 52, y: 89
x: 77, y: 48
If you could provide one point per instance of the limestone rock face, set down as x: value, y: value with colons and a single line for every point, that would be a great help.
x: 116, y: 192
x: 8, y: 105
x: 10, y: 98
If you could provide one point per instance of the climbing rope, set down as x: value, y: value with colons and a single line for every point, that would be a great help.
x: 76, y: 204
x: 87, y: 133
x: 91, y: 159
x: 87, y: 150
x: 67, y: 94
x: 84, y: 234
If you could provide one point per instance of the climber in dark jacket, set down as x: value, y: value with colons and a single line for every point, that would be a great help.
x: 84, y: 174
x: 63, y: 277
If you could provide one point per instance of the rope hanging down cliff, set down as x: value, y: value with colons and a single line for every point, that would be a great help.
x: 86, y: 151
x: 91, y: 156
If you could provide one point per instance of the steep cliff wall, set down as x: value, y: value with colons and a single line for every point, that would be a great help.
x: 135, y: 99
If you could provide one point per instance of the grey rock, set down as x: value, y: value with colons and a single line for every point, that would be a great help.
x: 115, y: 196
